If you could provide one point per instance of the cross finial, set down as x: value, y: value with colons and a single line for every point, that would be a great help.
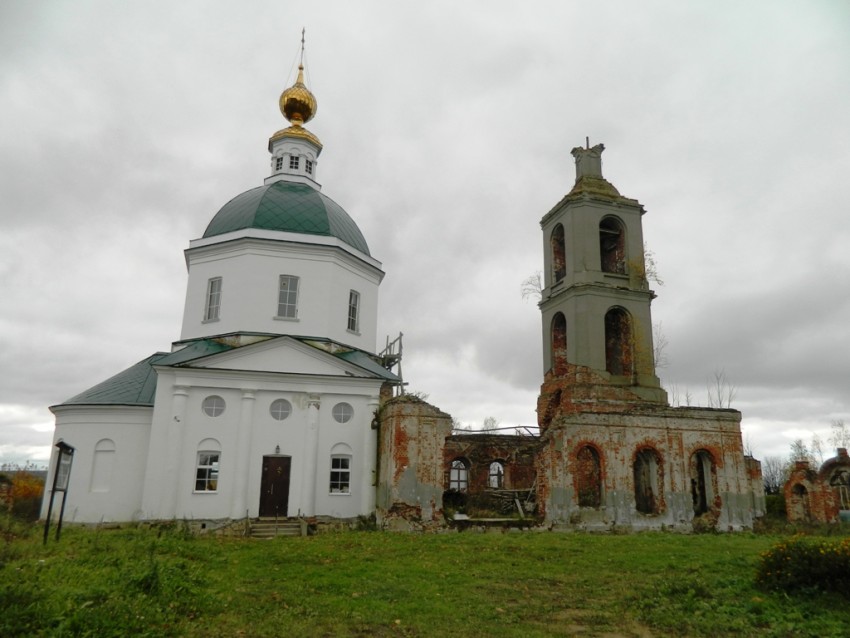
x: 303, y: 30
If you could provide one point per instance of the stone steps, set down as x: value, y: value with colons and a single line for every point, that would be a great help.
x: 271, y: 527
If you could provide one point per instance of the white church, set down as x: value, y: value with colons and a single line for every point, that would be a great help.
x: 266, y: 404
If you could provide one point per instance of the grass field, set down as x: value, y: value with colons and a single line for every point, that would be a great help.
x: 144, y: 582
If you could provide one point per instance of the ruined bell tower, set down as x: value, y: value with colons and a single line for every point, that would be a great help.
x: 613, y: 452
x: 596, y: 298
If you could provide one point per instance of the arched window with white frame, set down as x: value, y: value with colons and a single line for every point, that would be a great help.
x: 207, y: 466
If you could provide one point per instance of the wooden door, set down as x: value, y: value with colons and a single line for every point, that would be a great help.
x: 274, y: 486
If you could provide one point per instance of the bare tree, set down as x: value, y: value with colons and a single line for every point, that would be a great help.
x: 800, y: 451
x: 774, y: 472
x: 673, y: 393
x: 748, y: 446
x: 816, y: 450
x: 532, y: 287
x: 840, y: 436
x: 651, y: 266
x: 721, y: 391
x: 491, y: 423
x: 659, y: 346
x: 458, y: 426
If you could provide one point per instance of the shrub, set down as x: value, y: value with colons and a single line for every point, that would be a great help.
x: 775, y: 505
x: 801, y: 563
x: 27, y: 490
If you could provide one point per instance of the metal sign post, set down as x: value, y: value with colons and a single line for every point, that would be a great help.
x: 61, y: 477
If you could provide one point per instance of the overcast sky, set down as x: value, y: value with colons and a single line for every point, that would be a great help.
x: 447, y: 129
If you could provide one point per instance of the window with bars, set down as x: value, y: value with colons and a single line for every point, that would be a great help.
x: 353, y: 310
x: 294, y: 162
x: 287, y: 300
x: 308, y: 166
x: 213, y: 305
x: 278, y: 163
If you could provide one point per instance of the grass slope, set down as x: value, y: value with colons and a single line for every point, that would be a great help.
x: 166, y: 583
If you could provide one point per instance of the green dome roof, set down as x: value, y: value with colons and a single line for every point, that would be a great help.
x: 290, y: 207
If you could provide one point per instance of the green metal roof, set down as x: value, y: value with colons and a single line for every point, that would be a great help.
x: 290, y: 207
x: 137, y: 384
x: 134, y: 386
x: 195, y: 350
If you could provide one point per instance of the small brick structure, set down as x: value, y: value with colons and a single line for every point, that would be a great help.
x: 821, y: 496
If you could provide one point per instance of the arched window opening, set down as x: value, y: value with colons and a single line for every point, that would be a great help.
x: 612, y: 245
x: 559, y: 343
x: 840, y: 482
x: 702, y: 481
x: 496, y: 479
x: 459, y: 475
x: 798, y: 504
x: 559, y: 259
x: 648, y: 477
x: 618, y: 342
x: 588, y: 477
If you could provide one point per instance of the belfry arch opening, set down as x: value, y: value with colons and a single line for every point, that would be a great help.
x: 612, y: 245
x: 559, y: 258
x: 649, y: 480
x: 703, y: 481
x: 588, y: 477
x: 618, y: 342
x: 559, y: 343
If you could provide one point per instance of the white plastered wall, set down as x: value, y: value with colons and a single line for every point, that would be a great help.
x: 307, y: 439
x: 116, y: 495
x: 250, y: 270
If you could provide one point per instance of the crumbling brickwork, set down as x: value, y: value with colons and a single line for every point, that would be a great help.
x: 488, y: 474
x: 611, y: 453
x: 479, y: 451
x: 411, y: 440
x: 822, y: 496
x: 611, y: 459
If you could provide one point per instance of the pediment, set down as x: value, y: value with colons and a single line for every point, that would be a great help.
x: 280, y: 355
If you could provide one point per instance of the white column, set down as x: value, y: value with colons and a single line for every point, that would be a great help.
x: 170, y: 486
x: 242, y: 464
x: 311, y: 457
x: 368, y: 479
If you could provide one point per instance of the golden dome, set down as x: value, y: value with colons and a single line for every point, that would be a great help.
x: 297, y: 104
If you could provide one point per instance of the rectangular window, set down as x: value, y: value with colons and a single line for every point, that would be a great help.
x: 353, y: 310
x: 287, y: 300
x: 340, y: 475
x: 206, y: 476
x: 278, y: 163
x: 308, y: 165
x: 293, y: 162
x: 213, y: 299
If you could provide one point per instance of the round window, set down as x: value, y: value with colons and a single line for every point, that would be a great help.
x: 213, y: 405
x: 280, y: 409
x: 343, y: 412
